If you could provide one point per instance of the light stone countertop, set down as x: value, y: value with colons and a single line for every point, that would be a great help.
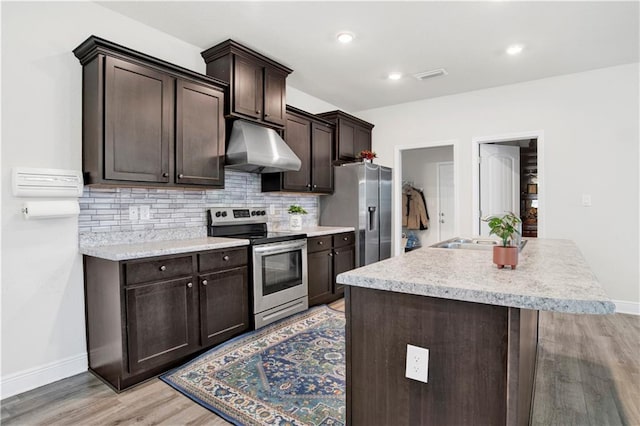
x: 160, y: 248
x: 317, y: 231
x: 552, y: 275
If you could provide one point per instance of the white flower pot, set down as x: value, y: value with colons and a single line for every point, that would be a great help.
x: 295, y: 222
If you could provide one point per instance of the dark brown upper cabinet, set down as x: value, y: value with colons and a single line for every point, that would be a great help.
x: 148, y: 122
x: 352, y: 135
x: 257, y: 84
x: 311, y: 139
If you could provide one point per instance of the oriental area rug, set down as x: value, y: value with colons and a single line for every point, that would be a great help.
x: 291, y: 372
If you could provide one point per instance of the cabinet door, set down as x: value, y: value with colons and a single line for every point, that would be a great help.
x: 343, y: 261
x: 247, y: 88
x: 274, y: 96
x: 160, y: 323
x: 346, y: 140
x: 298, y: 137
x: 138, y: 122
x: 321, y: 158
x: 199, y: 134
x: 224, y: 305
x: 362, y: 141
x: 319, y: 265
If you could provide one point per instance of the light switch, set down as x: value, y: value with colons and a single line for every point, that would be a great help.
x: 133, y: 213
x: 586, y: 200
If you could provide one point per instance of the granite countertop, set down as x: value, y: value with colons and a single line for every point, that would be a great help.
x: 551, y: 275
x: 317, y: 231
x: 160, y: 248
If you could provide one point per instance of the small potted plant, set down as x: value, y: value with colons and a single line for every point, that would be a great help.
x: 367, y: 156
x: 295, y: 220
x: 504, y: 227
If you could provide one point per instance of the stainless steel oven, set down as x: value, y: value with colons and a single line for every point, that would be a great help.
x: 279, y: 280
x: 278, y: 262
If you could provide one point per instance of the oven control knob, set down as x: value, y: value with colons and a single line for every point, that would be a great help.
x: 263, y: 212
x: 253, y: 212
x: 224, y: 214
x: 218, y: 214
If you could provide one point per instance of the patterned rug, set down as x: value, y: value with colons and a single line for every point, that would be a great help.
x: 291, y: 372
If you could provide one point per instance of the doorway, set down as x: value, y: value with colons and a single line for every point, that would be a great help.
x: 509, y: 178
x: 427, y: 173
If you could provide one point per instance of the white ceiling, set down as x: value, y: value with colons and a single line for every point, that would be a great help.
x: 466, y: 38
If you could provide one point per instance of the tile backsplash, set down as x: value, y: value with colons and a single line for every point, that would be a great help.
x: 107, y: 209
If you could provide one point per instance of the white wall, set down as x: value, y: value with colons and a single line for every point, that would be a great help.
x: 590, y: 125
x: 421, y: 167
x: 307, y: 102
x: 43, y: 334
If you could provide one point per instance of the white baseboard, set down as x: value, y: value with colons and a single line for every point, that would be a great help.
x: 626, y: 307
x: 22, y: 381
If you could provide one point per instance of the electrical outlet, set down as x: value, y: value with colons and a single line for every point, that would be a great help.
x: 272, y: 209
x: 133, y: 213
x: 586, y: 200
x: 145, y: 213
x: 417, y: 363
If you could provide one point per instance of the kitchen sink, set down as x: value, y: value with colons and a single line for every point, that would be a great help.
x: 472, y: 243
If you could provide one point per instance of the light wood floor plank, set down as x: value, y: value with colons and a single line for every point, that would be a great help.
x: 588, y: 374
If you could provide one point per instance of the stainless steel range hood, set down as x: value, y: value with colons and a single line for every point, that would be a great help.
x: 256, y: 149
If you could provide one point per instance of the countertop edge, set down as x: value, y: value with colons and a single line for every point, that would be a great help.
x: 571, y: 306
x: 138, y: 251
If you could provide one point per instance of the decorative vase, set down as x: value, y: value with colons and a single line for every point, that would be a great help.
x: 503, y: 256
x: 295, y: 222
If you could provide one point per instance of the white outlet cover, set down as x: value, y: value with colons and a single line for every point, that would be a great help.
x: 417, y: 364
x: 133, y: 213
x: 586, y: 200
x: 145, y: 213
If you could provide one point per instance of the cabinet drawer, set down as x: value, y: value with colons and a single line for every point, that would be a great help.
x: 222, y: 259
x: 157, y: 270
x: 341, y: 240
x: 318, y: 243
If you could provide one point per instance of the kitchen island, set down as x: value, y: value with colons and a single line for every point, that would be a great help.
x: 479, y: 323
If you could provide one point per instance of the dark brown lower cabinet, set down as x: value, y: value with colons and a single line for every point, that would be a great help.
x: 481, y: 367
x: 145, y: 316
x: 327, y: 257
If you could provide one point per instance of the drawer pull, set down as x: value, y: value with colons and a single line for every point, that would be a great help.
x: 331, y: 254
x: 180, y: 176
x: 225, y: 257
x: 320, y: 242
x: 337, y: 253
x: 204, y: 282
x: 189, y: 285
x: 345, y: 238
x: 163, y: 268
x: 165, y: 174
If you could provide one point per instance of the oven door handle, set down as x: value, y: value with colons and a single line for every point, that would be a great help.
x: 274, y: 248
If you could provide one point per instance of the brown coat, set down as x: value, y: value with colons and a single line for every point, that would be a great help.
x: 414, y: 210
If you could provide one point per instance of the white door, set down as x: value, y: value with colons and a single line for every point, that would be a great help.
x: 499, y: 181
x: 446, y: 207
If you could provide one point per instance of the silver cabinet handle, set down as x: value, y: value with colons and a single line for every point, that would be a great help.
x: 180, y: 176
x: 204, y: 282
x: 330, y: 254
x: 165, y: 174
x: 257, y: 111
x: 225, y: 257
x: 163, y: 268
x: 189, y: 285
x: 345, y: 238
x: 315, y: 186
x: 320, y: 243
x: 308, y: 185
x: 337, y: 253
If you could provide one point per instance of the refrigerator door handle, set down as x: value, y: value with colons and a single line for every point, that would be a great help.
x: 371, y: 223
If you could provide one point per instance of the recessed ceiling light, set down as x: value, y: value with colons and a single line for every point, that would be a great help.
x: 514, y: 49
x: 345, y: 37
x: 395, y: 76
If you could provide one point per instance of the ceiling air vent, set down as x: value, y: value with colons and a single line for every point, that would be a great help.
x: 430, y: 74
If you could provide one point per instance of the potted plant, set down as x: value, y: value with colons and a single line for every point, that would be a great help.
x: 504, y: 227
x: 367, y: 156
x: 295, y: 220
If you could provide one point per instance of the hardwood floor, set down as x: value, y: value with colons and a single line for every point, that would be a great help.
x: 588, y: 374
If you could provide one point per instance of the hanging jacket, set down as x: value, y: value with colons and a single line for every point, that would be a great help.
x: 414, y: 209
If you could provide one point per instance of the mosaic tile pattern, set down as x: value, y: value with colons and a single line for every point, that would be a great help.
x: 107, y: 209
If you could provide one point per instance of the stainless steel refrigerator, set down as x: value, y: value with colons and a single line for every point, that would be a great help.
x: 362, y: 199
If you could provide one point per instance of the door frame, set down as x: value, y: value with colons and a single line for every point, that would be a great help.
x: 475, y: 163
x: 396, y: 210
x: 438, y: 209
